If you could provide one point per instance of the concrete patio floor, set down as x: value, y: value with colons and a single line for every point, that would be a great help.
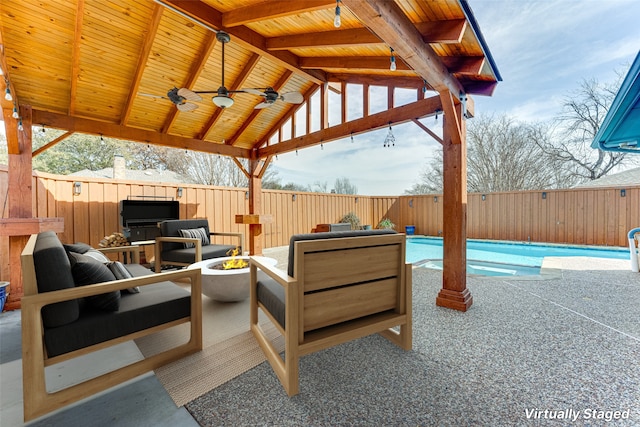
x: 575, y: 330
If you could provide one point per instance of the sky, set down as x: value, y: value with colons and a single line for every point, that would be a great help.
x: 543, y: 50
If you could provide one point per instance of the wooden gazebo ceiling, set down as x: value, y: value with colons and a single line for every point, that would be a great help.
x: 103, y: 66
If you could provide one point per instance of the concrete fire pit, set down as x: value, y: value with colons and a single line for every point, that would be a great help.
x: 227, y: 285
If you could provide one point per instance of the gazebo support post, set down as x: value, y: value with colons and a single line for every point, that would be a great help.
x: 454, y: 293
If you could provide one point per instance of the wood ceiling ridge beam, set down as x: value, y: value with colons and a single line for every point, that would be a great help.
x: 388, y: 21
x: 288, y: 115
x: 244, y: 36
x: 147, y: 44
x: 404, y: 82
x: 194, y: 73
x: 115, y: 130
x: 349, y: 37
x: 397, y: 115
x: 254, y: 114
x: 238, y: 83
x: 75, y: 56
x: 272, y: 9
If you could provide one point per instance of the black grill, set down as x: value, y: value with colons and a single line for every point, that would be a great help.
x: 139, y: 218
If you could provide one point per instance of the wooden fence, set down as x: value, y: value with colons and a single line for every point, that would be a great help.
x: 584, y: 216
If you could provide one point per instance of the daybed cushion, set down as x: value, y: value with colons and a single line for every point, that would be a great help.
x: 88, y: 271
x: 53, y: 272
x: 155, y: 305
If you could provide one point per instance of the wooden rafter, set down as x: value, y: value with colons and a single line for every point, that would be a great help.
x: 254, y: 114
x: 349, y: 37
x: 142, y: 60
x: 445, y: 31
x: 244, y: 36
x: 352, y: 63
x: 194, y: 73
x: 390, y: 24
x: 272, y: 9
x: 113, y: 130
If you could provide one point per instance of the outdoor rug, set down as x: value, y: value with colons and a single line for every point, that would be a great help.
x: 523, y: 348
x: 229, y: 349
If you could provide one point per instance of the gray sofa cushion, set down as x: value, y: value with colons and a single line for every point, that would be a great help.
x: 271, y: 295
x: 53, y: 272
x: 328, y: 235
x: 155, y: 305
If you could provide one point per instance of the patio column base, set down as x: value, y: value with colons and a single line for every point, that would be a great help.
x: 457, y: 300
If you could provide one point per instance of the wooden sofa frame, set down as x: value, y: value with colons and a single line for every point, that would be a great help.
x: 342, y: 289
x: 37, y: 400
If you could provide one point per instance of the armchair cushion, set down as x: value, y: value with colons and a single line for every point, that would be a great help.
x: 186, y: 256
x: 271, y: 295
x: 87, y: 271
x: 195, y: 233
x: 171, y: 228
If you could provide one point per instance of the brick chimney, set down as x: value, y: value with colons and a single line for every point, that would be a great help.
x: 119, y: 168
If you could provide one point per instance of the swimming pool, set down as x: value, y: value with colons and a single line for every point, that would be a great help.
x: 501, y: 258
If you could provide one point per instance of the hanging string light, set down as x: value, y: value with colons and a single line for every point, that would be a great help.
x: 7, y: 93
x: 390, y: 140
x: 352, y: 137
x: 15, y: 114
x: 336, y: 20
x: 392, y: 67
x: 20, y: 127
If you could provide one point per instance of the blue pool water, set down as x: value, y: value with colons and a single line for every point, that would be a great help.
x: 498, y: 258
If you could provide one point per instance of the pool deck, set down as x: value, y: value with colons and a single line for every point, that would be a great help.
x: 568, y: 339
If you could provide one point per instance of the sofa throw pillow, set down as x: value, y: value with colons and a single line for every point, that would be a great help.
x: 88, y: 271
x: 97, y: 255
x: 120, y: 271
x: 77, y: 247
x: 197, y: 233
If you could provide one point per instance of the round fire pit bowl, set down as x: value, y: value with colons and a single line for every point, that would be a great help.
x: 227, y: 285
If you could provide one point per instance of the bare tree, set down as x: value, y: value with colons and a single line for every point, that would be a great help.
x: 570, y: 145
x: 501, y: 156
x: 344, y: 186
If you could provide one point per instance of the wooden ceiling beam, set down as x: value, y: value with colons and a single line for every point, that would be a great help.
x: 272, y: 9
x: 352, y: 63
x: 152, y: 29
x: 389, y: 23
x: 340, y: 38
x: 113, y: 130
x: 383, y: 80
x: 445, y: 31
x: 402, y: 114
x: 254, y: 114
x: 244, y: 36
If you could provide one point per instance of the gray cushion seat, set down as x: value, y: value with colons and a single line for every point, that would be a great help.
x: 155, y: 305
x: 271, y: 295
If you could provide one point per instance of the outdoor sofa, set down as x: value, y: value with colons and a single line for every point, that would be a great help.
x: 74, y: 304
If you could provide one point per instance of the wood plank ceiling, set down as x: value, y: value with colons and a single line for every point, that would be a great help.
x: 105, y: 66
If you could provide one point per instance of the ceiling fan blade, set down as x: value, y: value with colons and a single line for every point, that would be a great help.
x: 189, y: 95
x: 263, y: 105
x: 187, y: 106
x: 253, y: 91
x: 292, y: 97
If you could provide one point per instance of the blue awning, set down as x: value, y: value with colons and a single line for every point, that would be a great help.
x: 620, y: 130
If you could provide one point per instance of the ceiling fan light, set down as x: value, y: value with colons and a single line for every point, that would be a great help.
x: 222, y: 101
